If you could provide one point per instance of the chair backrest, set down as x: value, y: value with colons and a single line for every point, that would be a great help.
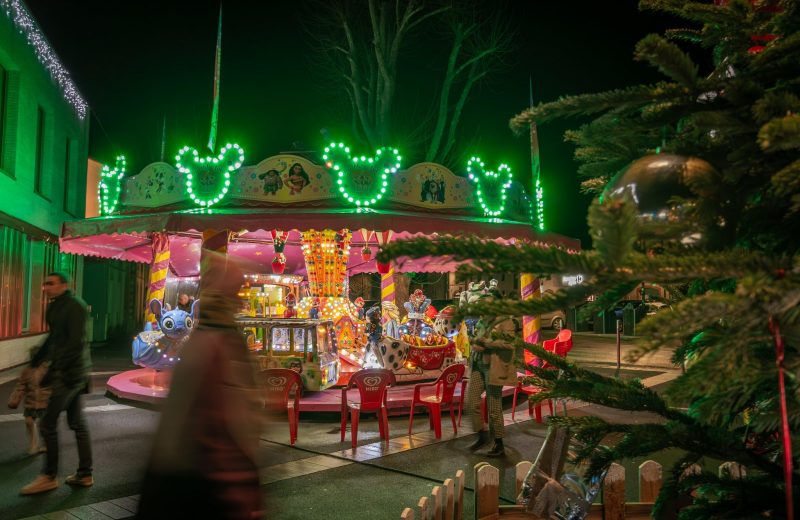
x: 277, y: 384
x: 563, y: 342
x: 372, y: 384
x: 446, y: 383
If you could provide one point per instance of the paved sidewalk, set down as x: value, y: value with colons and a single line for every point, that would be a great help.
x: 318, y: 477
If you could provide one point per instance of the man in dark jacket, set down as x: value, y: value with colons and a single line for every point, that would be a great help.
x: 68, y: 352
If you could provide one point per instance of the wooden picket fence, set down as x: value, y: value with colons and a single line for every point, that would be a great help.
x: 447, y: 501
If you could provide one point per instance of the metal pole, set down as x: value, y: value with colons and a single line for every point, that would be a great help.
x: 619, y: 346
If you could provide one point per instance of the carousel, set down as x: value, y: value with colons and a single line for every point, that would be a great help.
x: 305, y: 225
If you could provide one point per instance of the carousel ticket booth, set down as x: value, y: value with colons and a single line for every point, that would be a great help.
x: 305, y: 227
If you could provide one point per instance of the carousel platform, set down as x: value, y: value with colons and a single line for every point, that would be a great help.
x: 149, y: 386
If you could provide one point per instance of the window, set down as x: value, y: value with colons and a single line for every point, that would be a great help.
x: 39, y: 167
x: 68, y: 191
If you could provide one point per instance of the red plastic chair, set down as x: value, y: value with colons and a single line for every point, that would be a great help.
x: 278, y: 384
x: 372, y: 387
x: 560, y: 346
x: 445, y: 386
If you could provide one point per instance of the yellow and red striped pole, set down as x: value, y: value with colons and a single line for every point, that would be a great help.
x: 158, y: 273
x: 387, y: 276
x: 530, y: 288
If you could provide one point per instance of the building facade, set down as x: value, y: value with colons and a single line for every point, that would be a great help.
x: 44, y: 128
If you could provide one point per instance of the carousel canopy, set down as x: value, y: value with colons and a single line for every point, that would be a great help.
x: 297, y: 193
x: 129, y: 237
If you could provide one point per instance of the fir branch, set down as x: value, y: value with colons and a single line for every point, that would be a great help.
x: 687, y: 35
x: 775, y: 103
x: 612, y: 226
x: 669, y: 330
x: 780, y: 134
x: 787, y: 180
x: 493, y: 257
x: 668, y: 58
x: 587, y: 104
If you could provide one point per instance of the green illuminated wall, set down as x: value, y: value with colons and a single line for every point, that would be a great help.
x: 29, y: 89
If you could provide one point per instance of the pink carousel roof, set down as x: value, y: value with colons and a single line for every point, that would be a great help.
x: 128, y: 237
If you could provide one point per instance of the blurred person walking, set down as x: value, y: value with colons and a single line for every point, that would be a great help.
x: 68, y: 353
x: 203, y: 463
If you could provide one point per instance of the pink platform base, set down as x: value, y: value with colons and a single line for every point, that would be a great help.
x: 147, y: 385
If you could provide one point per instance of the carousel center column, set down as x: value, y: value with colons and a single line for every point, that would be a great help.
x: 158, y: 273
x: 326, y: 254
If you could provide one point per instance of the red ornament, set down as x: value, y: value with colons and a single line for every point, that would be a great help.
x: 366, y: 253
x: 279, y: 263
x: 383, y: 267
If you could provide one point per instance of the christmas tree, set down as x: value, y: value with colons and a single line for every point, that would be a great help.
x: 698, y: 189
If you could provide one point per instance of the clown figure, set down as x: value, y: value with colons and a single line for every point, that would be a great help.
x: 416, y: 306
x: 359, y: 303
x: 313, y: 312
x: 290, y: 311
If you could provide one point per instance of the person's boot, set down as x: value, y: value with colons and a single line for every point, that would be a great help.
x: 498, y: 450
x: 483, y: 438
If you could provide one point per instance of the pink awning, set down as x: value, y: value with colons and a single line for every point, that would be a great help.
x: 127, y: 237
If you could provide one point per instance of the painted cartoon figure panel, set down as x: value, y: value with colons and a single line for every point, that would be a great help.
x: 160, y: 349
x: 393, y: 353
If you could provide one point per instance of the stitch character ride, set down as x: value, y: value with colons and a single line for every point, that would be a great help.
x: 160, y: 349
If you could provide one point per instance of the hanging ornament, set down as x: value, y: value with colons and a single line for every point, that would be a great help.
x: 383, y: 238
x: 279, y: 263
x: 279, y: 243
x: 652, y: 181
x: 366, y: 251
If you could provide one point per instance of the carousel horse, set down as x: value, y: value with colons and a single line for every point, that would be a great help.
x: 160, y: 349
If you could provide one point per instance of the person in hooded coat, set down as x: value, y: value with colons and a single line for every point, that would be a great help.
x: 203, y: 463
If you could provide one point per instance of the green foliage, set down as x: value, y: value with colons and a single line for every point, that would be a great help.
x: 739, y: 273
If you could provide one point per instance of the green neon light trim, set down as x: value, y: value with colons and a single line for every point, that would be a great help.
x: 215, y: 176
x: 502, y: 175
x: 109, y: 186
x: 539, y: 205
x: 386, y: 161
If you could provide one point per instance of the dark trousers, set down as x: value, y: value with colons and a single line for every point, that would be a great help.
x: 71, y: 400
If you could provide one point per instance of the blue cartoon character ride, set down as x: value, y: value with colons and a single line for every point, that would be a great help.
x: 160, y: 349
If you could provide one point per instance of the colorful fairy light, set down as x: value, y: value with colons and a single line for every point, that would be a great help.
x: 337, y: 157
x: 109, y: 186
x: 502, y: 175
x: 211, y: 167
x: 18, y: 14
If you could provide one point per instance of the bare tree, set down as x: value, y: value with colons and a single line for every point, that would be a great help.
x: 359, y: 44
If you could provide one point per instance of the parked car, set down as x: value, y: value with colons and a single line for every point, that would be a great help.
x: 553, y: 320
x: 655, y: 307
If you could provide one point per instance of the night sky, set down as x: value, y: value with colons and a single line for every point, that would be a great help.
x: 137, y: 62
